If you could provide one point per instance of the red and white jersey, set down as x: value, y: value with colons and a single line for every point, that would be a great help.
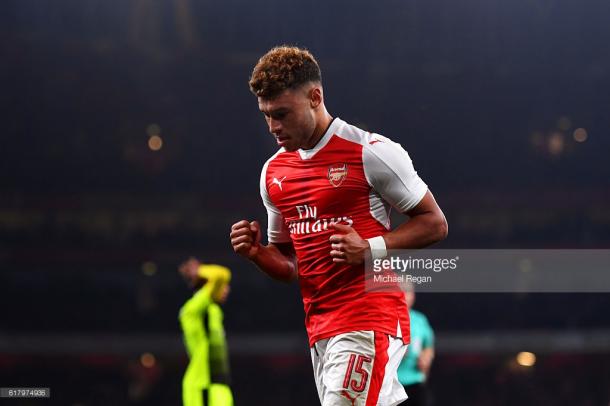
x: 351, y: 177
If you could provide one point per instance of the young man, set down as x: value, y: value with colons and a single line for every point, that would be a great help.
x: 206, y: 380
x: 328, y: 191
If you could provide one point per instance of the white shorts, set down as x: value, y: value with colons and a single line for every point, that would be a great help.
x: 358, y: 369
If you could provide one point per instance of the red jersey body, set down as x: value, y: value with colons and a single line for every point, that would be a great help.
x: 351, y: 177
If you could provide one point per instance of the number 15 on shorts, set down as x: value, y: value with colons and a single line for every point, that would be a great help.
x: 356, y: 375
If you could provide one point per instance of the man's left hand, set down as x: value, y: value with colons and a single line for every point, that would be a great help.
x: 347, y: 246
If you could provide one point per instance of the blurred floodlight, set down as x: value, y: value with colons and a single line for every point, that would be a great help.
x: 526, y: 359
x: 580, y: 135
x: 149, y: 268
x: 556, y: 143
x: 148, y: 360
x: 155, y: 143
x: 153, y: 129
x: 564, y: 123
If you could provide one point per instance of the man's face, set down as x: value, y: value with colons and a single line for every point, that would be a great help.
x: 290, y: 117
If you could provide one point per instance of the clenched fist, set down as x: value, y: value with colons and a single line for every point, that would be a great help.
x: 246, y: 238
x: 347, y: 247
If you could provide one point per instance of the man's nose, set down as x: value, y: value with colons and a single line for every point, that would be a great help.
x: 275, y: 127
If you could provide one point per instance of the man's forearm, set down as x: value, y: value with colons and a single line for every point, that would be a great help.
x: 276, y: 264
x: 424, y: 362
x: 419, y: 232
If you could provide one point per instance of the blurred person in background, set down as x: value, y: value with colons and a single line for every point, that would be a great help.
x: 206, y: 380
x: 414, y: 369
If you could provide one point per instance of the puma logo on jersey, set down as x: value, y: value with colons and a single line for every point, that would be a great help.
x: 278, y: 182
x: 351, y: 399
x: 374, y: 141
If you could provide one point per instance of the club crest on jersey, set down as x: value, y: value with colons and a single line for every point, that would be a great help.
x: 337, y: 174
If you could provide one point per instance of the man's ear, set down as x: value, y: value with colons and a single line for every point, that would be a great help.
x: 315, y: 97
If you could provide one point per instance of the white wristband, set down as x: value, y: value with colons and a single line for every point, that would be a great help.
x: 378, y: 248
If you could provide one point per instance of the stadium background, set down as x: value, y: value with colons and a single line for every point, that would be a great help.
x: 130, y: 141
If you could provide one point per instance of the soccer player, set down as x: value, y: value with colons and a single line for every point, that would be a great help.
x: 414, y: 368
x: 328, y: 192
x: 206, y: 380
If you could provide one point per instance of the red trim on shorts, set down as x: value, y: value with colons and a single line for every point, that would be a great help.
x: 382, y: 342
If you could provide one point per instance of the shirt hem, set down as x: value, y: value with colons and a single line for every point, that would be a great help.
x: 406, y: 339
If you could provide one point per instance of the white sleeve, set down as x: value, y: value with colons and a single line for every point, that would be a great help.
x: 277, y: 231
x: 390, y: 172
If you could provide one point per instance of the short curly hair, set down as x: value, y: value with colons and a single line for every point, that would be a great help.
x: 283, y: 67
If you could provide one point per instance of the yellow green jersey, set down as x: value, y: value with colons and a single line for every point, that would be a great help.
x: 206, y: 380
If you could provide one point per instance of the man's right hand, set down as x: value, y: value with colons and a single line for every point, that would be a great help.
x: 246, y: 238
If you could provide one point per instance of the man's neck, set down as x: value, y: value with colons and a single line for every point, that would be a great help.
x: 321, y: 128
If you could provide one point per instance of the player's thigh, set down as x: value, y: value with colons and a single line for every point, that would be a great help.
x: 348, y: 368
x: 360, y: 370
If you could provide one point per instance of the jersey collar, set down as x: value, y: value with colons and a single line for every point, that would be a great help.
x: 330, y: 131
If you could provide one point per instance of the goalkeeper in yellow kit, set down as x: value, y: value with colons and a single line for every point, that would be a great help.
x: 206, y: 380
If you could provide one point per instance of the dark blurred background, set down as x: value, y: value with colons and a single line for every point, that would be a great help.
x: 130, y: 141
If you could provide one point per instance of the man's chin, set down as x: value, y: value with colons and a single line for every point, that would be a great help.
x: 288, y: 145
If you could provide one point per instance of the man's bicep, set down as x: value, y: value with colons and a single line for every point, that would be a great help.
x: 426, y: 205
